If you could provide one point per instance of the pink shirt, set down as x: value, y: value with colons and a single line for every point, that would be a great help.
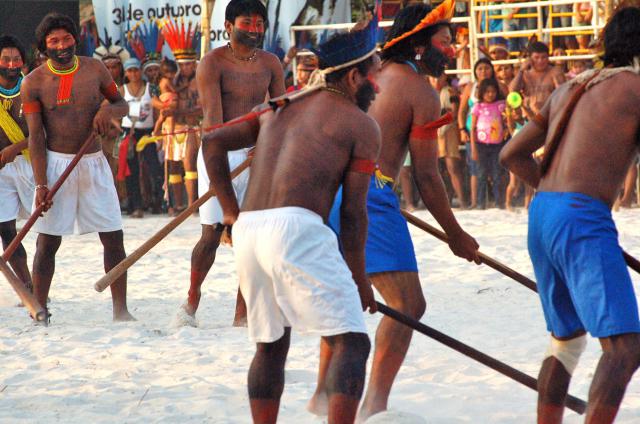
x: 489, y: 125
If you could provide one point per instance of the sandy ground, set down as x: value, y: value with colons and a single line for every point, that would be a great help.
x: 85, y: 368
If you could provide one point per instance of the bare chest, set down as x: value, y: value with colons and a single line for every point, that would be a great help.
x: 80, y: 95
x: 254, y: 84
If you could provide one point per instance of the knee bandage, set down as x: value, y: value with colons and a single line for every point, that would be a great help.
x: 190, y: 175
x: 567, y: 351
x: 175, y: 179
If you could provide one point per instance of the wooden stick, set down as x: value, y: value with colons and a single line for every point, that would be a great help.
x: 10, y: 250
x: 28, y: 300
x: 115, y: 273
x: 632, y: 262
x: 509, y: 272
x: 573, y: 403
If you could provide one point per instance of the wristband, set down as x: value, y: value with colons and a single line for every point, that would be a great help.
x: 39, y: 186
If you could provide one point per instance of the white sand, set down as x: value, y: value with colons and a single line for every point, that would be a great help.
x: 87, y: 369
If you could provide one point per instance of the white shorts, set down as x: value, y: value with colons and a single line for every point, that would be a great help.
x: 87, y: 199
x: 211, y: 212
x: 16, y: 190
x: 292, y: 274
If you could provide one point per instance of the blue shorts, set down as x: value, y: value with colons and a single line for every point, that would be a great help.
x: 583, y: 279
x: 389, y: 246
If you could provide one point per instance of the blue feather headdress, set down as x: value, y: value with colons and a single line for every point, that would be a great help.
x: 146, y: 41
x: 344, y: 50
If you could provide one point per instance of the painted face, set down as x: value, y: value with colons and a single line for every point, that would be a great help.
x: 61, y: 46
x: 437, y: 55
x: 249, y: 30
x: 483, y: 71
x: 540, y: 61
x: 10, y: 63
x: 366, y: 93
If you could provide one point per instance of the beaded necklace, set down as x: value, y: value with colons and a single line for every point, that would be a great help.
x: 7, y: 95
x: 244, y: 59
x: 66, y: 81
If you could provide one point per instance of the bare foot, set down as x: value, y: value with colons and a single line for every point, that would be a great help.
x: 123, y: 316
x: 319, y: 404
x: 365, y: 413
x: 186, y: 316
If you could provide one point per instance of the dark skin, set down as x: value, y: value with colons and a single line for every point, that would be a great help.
x: 66, y: 128
x: 229, y: 88
x: 418, y: 104
x: 577, y: 166
x: 10, y: 58
x: 280, y: 177
x: 537, y: 79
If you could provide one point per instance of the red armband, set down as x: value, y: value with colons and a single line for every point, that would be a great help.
x: 110, y: 92
x: 541, y: 121
x: 429, y: 131
x: 362, y: 166
x: 31, y: 107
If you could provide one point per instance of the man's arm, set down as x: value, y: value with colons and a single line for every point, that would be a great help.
x: 208, y: 81
x: 32, y: 107
x: 517, y: 154
x: 115, y: 108
x: 424, y: 163
x: 558, y: 77
x: 276, y: 87
x: 215, y: 146
x: 353, y: 212
x: 518, y: 82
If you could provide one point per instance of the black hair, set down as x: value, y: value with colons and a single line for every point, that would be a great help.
x: 484, y: 85
x: 622, y: 37
x: 52, y: 22
x: 237, y: 8
x: 538, y: 47
x: 486, y: 61
x: 9, y: 41
x: 168, y: 65
x: 362, y: 67
x: 405, y: 21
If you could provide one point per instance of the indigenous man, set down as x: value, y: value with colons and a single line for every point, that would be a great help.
x: 188, y: 113
x: 582, y: 278
x: 62, y: 102
x: 537, y: 77
x: 231, y: 81
x: 290, y: 268
x: 16, y: 176
x: 407, y: 110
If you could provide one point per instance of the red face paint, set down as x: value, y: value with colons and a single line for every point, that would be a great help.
x: 376, y: 87
x: 254, y: 24
x: 448, y: 51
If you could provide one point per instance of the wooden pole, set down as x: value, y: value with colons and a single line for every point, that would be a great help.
x: 10, y: 250
x: 37, y: 312
x: 528, y: 283
x: 205, y: 26
x: 115, y: 273
x: 573, y: 403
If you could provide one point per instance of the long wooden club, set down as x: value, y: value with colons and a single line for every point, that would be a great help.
x: 10, y: 250
x: 573, y: 403
x: 509, y: 272
x: 30, y: 302
x: 115, y: 273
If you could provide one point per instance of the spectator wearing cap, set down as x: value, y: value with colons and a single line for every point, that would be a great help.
x: 138, y: 123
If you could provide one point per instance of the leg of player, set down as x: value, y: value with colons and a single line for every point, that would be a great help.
x: 113, y: 254
x: 18, y: 260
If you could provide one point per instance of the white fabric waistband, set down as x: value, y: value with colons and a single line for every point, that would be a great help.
x: 69, y: 156
x: 280, y: 213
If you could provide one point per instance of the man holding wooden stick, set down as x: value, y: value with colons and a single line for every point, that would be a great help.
x: 63, y: 105
x: 408, y: 111
x: 583, y: 280
x: 16, y: 175
x: 291, y: 271
x: 231, y: 80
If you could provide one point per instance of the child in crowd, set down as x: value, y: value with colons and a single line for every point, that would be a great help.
x: 487, y: 139
x: 516, y: 119
x: 576, y: 67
